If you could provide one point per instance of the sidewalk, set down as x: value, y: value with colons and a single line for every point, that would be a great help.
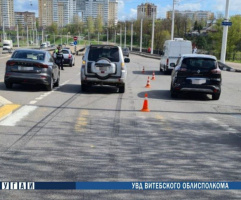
x: 234, y: 65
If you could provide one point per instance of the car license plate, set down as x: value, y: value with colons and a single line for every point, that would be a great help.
x: 21, y: 68
x: 198, y: 81
x: 103, y: 69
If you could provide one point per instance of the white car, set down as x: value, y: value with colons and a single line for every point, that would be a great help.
x: 104, y: 65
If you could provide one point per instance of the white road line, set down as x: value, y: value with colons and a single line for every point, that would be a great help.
x: 225, y: 126
x: 32, y: 102
x: 17, y: 116
x: 4, y: 101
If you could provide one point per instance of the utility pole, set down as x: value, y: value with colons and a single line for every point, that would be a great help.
x: 115, y: 36
x: 141, y: 36
x: 17, y: 36
x: 173, y: 19
x: 153, y: 33
x: 27, y: 37
x: 225, y: 34
x: 125, y: 35
x: 3, y: 31
x: 131, y: 35
x: 120, y: 36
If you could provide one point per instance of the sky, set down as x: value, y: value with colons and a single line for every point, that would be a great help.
x: 127, y: 9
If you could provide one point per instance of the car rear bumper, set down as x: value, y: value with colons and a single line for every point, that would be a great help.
x: 42, y: 79
x: 67, y: 61
x: 207, y: 89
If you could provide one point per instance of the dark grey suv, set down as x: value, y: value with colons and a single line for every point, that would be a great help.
x: 196, y: 73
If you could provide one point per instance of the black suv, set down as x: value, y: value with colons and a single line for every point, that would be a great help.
x: 196, y: 73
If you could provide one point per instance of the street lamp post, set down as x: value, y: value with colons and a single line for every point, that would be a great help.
x: 173, y: 18
x: 107, y: 36
x: 125, y: 35
x: 153, y: 32
x: 131, y: 35
x: 225, y: 34
x: 141, y: 36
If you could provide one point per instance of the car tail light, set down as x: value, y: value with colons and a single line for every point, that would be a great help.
x: 70, y: 56
x: 122, y: 66
x: 216, y: 71
x: 11, y: 63
x: 167, y: 62
x: 42, y: 65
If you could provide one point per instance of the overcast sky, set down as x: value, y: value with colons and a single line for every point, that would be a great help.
x: 127, y: 9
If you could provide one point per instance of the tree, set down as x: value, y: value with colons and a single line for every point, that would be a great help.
x: 90, y: 25
x: 99, y: 24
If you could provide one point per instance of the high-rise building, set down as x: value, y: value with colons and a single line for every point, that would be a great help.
x: 146, y: 10
x: 25, y: 19
x: 106, y: 9
x: 45, y: 8
x: 192, y: 15
x: 7, y: 13
x: 113, y: 12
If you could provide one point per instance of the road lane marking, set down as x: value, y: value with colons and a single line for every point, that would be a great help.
x: 17, y: 116
x: 6, y: 110
x: 4, y: 101
x: 32, y: 102
x: 81, y: 122
x: 224, y: 126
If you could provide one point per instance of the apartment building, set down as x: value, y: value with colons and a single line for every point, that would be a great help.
x: 25, y: 19
x: 193, y: 15
x: 147, y: 10
x: 7, y: 13
x: 45, y: 8
x: 113, y: 12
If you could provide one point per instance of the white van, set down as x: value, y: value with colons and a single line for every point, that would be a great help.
x: 173, y: 49
x: 8, y: 45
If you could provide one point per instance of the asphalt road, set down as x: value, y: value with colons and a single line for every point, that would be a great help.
x: 101, y: 135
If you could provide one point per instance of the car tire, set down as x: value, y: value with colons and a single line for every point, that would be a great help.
x: 8, y: 85
x: 71, y: 64
x: 51, y: 85
x: 161, y: 70
x: 84, y: 87
x: 122, y: 89
x: 174, y: 95
x: 216, y: 96
x: 56, y: 84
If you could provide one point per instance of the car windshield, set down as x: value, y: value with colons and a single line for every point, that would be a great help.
x: 200, y: 63
x: 29, y: 55
x: 6, y: 45
x: 65, y: 51
x: 112, y: 53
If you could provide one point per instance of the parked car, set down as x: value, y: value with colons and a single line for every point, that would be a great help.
x: 104, y: 65
x: 125, y: 51
x: 68, y: 57
x: 196, y: 73
x: 43, y: 45
x: 173, y: 49
x: 71, y: 43
x: 29, y: 66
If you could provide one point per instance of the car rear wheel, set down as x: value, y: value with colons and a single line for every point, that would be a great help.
x: 173, y: 93
x: 84, y: 87
x: 215, y: 96
x: 56, y: 84
x: 51, y: 85
x: 122, y: 89
x: 71, y: 64
x: 8, y: 85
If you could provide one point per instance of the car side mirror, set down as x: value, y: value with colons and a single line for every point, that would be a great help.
x: 127, y: 60
x: 172, y: 64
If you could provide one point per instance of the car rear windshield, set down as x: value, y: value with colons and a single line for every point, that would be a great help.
x: 200, y: 63
x: 65, y: 51
x: 6, y: 44
x: 29, y: 55
x: 112, y: 53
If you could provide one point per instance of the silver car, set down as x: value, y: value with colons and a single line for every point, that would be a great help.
x: 104, y: 65
x: 126, y: 51
x: 28, y: 66
x: 68, y: 57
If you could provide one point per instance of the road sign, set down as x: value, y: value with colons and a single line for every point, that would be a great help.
x: 75, y: 42
x: 75, y: 38
x: 226, y: 23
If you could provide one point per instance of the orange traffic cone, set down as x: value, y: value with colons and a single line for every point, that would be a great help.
x: 145, y: 104
x: 148, y: 85
x: 143, y: 71
x: 153, y: 76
